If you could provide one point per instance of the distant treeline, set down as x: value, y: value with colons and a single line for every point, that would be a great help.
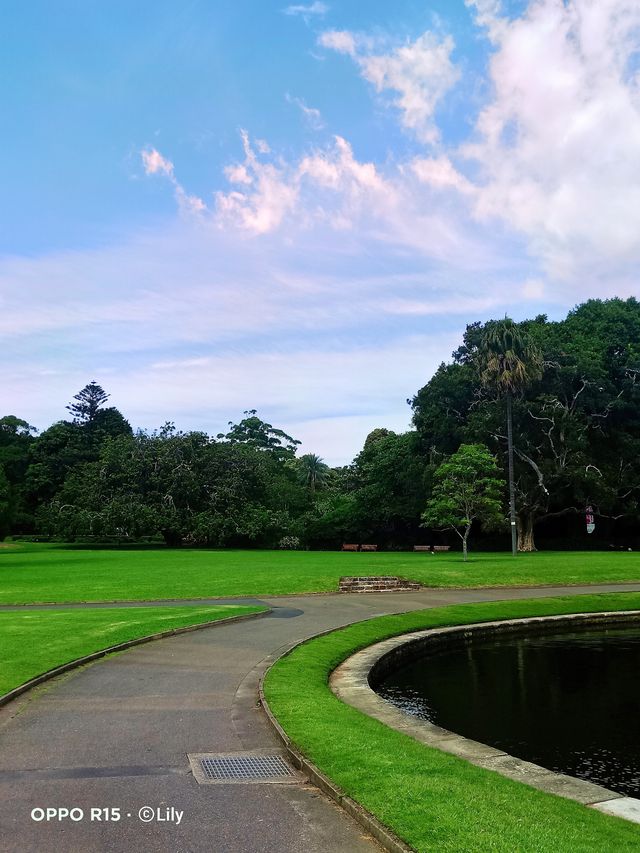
x: 576, y: 443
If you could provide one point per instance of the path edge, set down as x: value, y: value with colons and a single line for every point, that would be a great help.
x: 50, y: 674
x: 382, y: 834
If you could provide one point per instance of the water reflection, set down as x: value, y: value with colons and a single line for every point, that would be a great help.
x: 569, y: 702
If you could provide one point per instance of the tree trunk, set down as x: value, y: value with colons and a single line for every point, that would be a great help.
x: 526, y: 540
x: 464, y: 542
x: 512, y: 485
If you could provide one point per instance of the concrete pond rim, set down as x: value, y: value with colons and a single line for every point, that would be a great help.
x: 353, y: 682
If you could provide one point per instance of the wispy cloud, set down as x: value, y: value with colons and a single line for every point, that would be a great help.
x: 155, y: 164
x: 312, y: 115
x: 315, y: 9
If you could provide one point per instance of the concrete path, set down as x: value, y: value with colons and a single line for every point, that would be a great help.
x: 115, y: 735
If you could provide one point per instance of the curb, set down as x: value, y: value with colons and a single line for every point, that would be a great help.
x: 6, y: 698
x: 382, y: 834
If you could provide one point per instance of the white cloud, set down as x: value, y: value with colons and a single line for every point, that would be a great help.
x: 155, y: 164
x: 557, y: 144
x: 419, y: 72
x: 269, y: 191
x: 341, y: 41
x: 313, y: 9
x: 440, y: 173
x: 488, y: 14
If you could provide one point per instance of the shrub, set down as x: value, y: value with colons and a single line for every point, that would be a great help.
x: 289, y: 543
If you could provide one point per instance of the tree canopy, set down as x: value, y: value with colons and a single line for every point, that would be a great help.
x: 574, y: 386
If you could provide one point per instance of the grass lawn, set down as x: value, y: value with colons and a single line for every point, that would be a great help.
x: 434, y: 801
x: 53, y: 573
x: 34, y: 641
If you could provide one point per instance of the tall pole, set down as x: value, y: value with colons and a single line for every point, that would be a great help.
x: 512, y: 485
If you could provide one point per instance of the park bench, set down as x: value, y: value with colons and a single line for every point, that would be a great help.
x: 441, y: 547
x: 368, y: 547
x: 346, y: 547
x: 422, y: 547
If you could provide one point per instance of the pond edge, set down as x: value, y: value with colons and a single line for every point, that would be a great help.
x: 351, y: 683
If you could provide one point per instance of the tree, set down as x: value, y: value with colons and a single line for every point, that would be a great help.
x: 5, y: 505
x: 576, y: 431
x: 468, y: 488
x: 89, y: 401
x: 389, y: 480
x: 16, y: 440
x: 257, y: 433
x: 312, y: 472
x: 507, y: 363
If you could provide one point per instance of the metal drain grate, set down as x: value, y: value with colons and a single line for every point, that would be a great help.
x: 242, y: 767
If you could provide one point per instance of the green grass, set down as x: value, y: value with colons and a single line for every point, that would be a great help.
x: 434, y: 801
x: 34, y: 641
x: 46, y: 573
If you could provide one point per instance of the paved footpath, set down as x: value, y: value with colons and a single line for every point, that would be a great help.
x: 115, y: 734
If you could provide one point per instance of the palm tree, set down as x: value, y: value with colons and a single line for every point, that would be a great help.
x: 312, y: 471
x: 508, y: 362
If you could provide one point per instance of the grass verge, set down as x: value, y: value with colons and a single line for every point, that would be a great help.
x: 432, y: 800
x: 35, y: 641
x: 56, y: 574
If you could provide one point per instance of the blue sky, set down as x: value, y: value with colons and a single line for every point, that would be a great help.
x: 210, y: 207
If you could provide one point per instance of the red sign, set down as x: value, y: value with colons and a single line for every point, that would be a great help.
x: 590, y: 519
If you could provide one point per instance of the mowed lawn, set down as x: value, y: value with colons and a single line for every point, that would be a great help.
x: 34, y: 641
x: 53, y: 573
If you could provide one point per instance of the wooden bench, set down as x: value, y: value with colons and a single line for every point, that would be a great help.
x: 368, y: 547
x: 422, y: 547
x: 350, y: 547
x: 441, y: 547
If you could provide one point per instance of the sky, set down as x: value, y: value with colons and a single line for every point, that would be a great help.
x: 212, y: 207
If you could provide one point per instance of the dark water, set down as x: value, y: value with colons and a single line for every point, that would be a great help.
x: 568, y: 702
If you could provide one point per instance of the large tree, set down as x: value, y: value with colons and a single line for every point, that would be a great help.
x: 507, y: 363
x: 88, y: 401
x: 16, y: 440
x: 576, y: 429
x: 389, y: 487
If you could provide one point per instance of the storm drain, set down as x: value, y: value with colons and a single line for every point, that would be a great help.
x: 242, y: 767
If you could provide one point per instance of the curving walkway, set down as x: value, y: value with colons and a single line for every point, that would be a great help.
x: 115, y: 734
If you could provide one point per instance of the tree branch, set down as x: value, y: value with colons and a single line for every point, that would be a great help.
x: 530, y: 461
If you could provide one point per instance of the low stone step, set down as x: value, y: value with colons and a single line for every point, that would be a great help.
x: 384, y: 583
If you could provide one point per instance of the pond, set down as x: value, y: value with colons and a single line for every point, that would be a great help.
x: 569, y: 702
